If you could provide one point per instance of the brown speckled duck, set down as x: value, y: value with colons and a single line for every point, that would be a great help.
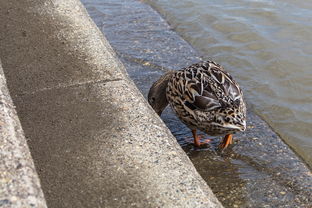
x: 204, y: 97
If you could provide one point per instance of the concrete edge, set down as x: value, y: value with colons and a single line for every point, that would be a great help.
x: 71, y: 14
x: 213, y: 201
x: 19, y: 182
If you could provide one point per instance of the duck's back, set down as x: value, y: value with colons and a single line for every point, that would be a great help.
x: 203, y: 94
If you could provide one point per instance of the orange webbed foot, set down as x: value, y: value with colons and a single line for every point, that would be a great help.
x: 197, y: 139
x: 227, y: 140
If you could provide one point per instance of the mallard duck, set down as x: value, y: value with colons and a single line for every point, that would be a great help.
x: 204, y: 97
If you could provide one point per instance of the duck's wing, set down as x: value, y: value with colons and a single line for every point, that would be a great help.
x: 230, y: 89
x: 210, y: 87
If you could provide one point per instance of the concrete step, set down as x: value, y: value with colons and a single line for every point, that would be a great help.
x: 94, y: 139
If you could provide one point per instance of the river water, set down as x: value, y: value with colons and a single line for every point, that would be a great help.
x: 266, y: 45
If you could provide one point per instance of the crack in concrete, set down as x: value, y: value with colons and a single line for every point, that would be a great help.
x: 69, y: 86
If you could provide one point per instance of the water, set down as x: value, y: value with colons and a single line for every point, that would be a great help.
x: 259, y: 170
x: 266, y: 46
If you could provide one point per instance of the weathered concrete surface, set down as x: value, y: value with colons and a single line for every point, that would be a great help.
x: 19, y: 182
x: 260, y: 170
x: 94, y: 139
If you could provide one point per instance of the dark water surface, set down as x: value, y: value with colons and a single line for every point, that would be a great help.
x: 266, y: 45
x: 259, y: 170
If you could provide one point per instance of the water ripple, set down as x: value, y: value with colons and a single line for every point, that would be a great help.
x: 266, y: 45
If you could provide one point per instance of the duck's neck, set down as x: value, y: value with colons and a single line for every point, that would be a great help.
x: 158, y: 92
x: 162, y: 82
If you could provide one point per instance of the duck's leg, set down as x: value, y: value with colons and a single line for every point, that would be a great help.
x: 197, y: 142
x: 196, y: 138
x: 228, y: 139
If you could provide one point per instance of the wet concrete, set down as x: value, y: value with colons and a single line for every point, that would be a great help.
x: 259, y: 170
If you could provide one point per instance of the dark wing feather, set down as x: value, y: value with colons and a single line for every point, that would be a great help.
x: 206, y: 103
x: 229, y: 86
x: 204, y: 88
x: 203, y: 98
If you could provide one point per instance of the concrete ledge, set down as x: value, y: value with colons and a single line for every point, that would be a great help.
x: 19, y: 182
x: 260, y: 169
x: 94, y: 139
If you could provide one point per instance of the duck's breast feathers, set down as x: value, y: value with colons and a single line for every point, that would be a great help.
x: 208, y: 87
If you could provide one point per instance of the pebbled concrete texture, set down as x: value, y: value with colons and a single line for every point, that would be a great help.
x: 19, y: 182
x: 94, y: 139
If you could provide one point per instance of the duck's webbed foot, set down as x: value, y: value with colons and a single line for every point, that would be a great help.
x: 197, y: 139
x: 227, y: 140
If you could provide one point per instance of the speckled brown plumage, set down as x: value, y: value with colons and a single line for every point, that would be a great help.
x: 204, y: 97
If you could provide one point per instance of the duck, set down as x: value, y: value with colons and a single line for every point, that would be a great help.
x: 204, y: 97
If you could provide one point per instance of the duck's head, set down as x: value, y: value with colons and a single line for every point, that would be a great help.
x: 157, y: 93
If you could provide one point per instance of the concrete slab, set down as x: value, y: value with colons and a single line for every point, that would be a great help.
x: 100, y: 142
x: 49, y: 43
x: 94, y: 139
x: 19, y: 182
